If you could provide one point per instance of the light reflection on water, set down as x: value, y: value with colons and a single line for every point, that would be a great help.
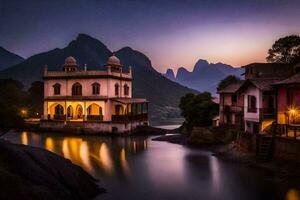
x: 138, y: 168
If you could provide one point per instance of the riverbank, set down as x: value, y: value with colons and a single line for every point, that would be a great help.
x: 140, y: 130
x: 232, y: 153
x: 33, y: 173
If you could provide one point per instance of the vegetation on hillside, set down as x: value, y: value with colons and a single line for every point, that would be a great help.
x: 198, y: 109
x: 17, y: 103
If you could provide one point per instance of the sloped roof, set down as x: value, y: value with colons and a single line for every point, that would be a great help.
x: 261, y: 83
x: 292, y: 80
x: 232, y: 88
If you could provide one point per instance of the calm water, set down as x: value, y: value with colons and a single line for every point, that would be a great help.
x: 138, y: 168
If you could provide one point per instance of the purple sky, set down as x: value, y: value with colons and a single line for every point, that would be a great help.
x: 172, y: 33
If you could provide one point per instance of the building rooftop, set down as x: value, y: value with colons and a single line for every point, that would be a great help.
x: 232, y: 88
x: 292, y: 80
x: 263, y: 84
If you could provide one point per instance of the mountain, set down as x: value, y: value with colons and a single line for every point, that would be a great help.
x: 8, y: 59
x: 170, y: 75
x: 205, y: 76
x: 163, y: 94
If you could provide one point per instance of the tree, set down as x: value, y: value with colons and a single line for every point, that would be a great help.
x: 285, y: 50
x: 35, y: 97
x: 226, y: 81
x: 198, y: 110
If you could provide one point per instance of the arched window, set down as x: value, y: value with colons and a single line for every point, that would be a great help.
x: 117, y: 89
x: 126, y: 90
x: 59, y: 110
x: 96, y: 88
x: 56, y: 88
x: 77, y: 89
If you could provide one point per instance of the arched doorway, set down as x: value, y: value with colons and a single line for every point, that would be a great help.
x: 58, y: 110
x: 94, y: 109
x: 79, y: 112
x: 70, y: 112
x: 118, y: 110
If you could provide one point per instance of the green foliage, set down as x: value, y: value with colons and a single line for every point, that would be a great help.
x: 226, y: 81
x: 198, y: 110
x: 285, y: 50
x: 14, y: 98
x: 11, y: 101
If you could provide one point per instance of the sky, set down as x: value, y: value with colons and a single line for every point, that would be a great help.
x: 171, y: 33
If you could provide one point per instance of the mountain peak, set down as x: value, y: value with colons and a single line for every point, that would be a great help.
x: 200, y: 64
x: 170, y: 74
x: 8, y: 59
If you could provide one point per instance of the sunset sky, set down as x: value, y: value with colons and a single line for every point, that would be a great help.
x: 171, y: 33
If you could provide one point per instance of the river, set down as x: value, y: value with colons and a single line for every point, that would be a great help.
x: 137, y: 168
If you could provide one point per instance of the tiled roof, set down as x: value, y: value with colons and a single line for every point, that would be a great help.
x: 232, y: 88
x: 264, y: 84
x: 261, y: 83
x: 291, y: 80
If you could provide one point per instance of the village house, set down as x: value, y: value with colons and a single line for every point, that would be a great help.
x: 96, y: 101
x: 254, y: 98
x: 288, y: 105
x: 231, y: 106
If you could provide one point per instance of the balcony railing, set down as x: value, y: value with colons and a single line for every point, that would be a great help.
x: 267, y: 113
x: 232, y: 108
x: 59, y: 117
x: 122, y: 118
x: 252, y: 110
x: 94, y: 117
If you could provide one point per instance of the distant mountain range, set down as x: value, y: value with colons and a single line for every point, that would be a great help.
x: 163, y: 94
x: 205, y: 76
x: 8, y: 59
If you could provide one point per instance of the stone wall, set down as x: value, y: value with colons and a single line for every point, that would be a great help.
x: 287, y: 148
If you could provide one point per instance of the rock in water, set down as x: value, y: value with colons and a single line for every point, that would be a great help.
x: 33, y: 173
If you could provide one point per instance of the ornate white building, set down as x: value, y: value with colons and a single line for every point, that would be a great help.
x: 95, y: 101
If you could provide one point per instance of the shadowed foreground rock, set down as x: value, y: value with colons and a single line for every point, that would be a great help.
x: 33, y: 173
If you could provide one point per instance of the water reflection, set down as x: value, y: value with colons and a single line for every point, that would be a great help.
x: 138, y: 168
x: 292, y: 194
x: 97, y: 155
x: 24, y: 138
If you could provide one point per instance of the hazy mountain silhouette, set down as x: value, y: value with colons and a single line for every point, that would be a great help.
x: 8, y: 58
x: 205, y: 76
x: 163, y: 94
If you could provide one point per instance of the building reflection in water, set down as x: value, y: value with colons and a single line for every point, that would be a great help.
x: 215, y: 174
x: 105, y: 159
x: 24, y: 138
x: 49, y: 144
x: 101, y: 155
x: 124, y: 163
x: 292, y: 194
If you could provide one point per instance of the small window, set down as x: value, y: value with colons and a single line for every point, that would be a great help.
x: 56, y: 88
x: 96, y: 88
x: 126, y: 90
x: 117, y: 89
x: 77, y: 89
x: 251, y: 104
x: 233, y: 99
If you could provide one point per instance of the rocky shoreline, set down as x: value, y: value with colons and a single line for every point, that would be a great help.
x: 230, y: 153
x: 33, y: 173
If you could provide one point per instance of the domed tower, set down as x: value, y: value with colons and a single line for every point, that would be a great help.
x: 114, y: 63
x: 70, y: 64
